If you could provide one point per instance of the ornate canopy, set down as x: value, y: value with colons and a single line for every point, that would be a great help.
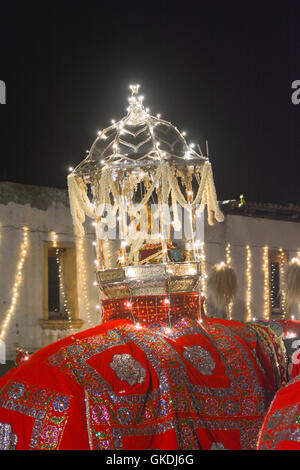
x: 137, y: 176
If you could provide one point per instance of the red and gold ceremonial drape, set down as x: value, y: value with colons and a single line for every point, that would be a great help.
x: 119, y: 386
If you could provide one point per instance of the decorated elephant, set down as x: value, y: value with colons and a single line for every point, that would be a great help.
x: 121, y: 386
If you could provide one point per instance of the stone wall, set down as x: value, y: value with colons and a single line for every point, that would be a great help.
x: 240, y: 231
x: 42, y: 210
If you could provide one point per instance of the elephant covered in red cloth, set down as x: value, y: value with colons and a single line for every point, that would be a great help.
x: 281, y: 426
x: 121, y: 386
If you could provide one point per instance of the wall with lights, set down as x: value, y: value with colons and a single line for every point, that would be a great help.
x: 42, y: 211
x: 30, y: 216
x: 251, y: 239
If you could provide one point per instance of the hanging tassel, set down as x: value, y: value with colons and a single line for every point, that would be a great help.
x: 110, y: 254
x: 292, y: 280
x: 222, y: 285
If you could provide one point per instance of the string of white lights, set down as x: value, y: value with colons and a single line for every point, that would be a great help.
x: 18, y: 280
x: 273, y: 290
x: 249, y: 282
x: 266, y: 283
x: 229, y: 262
x: 62, y: 289
x: 61, y: 280
x: 203, y: 275
x: 282, y: 281
x: 82, y: 276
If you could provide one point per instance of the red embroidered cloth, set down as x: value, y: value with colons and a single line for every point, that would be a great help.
x: 117, y: 386
x: 281, y: 426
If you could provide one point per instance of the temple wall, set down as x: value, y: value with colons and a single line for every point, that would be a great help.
x: 240, y: 231
x: 42, y: 212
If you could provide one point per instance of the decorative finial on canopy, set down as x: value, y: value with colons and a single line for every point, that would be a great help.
x: 136, y: 109
x: 134, y: 89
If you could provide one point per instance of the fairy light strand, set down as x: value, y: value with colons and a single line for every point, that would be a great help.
x: 249, y: 282
x: 272, y: 293
x: 62, y: 288
x: 229, y: 262
x: 18, y: 280
x: 266, y: 283
x: 82, y: 275
x: 282, y: 282
x: 63, y: 294
x: 203, y: 275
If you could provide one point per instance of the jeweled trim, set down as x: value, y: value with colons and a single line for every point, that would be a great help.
x: 8, y: 439
x: 50, y: 416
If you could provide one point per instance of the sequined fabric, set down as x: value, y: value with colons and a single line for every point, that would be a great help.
x: 8, y: 440
x: 127, y: 368
x: 119, y: 386
x: 200, y: 358
x: 281, y: 427
x: 148, y: 308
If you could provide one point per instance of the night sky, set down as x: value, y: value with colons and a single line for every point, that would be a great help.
x: 221, y: 71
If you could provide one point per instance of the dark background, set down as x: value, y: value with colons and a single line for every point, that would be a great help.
x: 222, y: 71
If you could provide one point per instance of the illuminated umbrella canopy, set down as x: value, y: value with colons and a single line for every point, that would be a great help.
x: 138, y: 173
